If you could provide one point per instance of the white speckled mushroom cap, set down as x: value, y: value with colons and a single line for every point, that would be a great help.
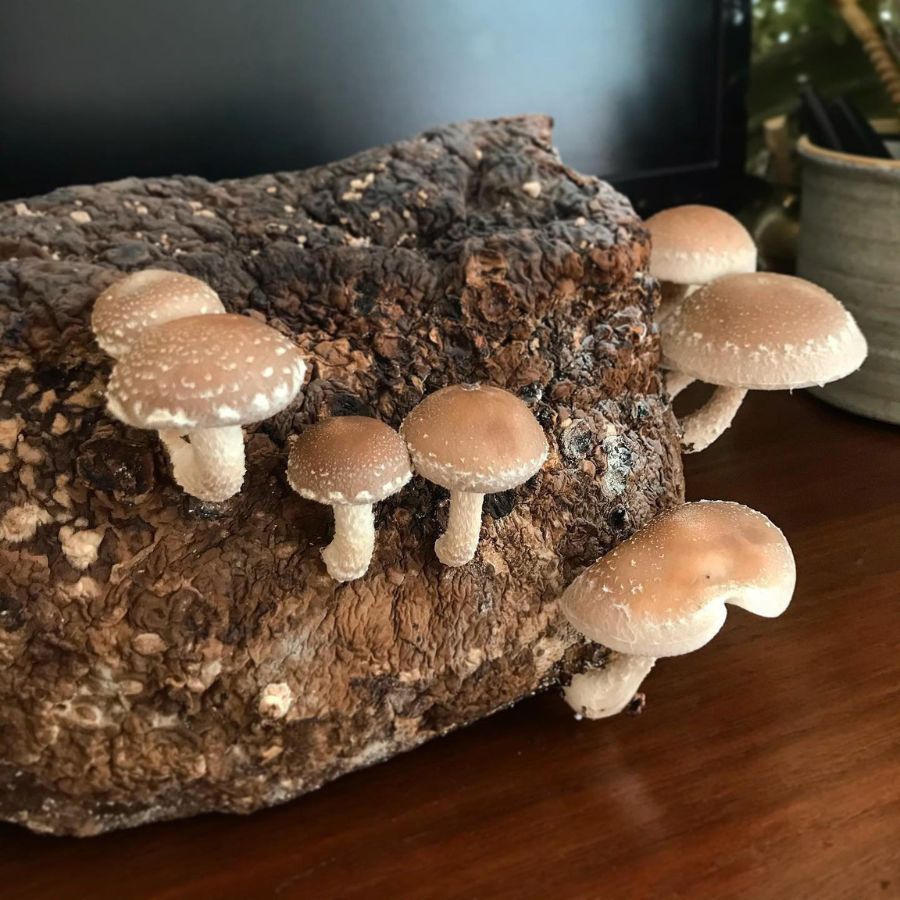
x: 663, y: 591
x: 694, y: 244
x: 205, y: 372
x: 348, y: 460
x: 146, y: 299
x: 476, y: 438
x: 762, y: 332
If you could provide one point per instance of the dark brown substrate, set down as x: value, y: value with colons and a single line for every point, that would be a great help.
x: 139, y: 628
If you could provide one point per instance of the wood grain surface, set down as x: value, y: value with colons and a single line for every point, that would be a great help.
x: 766, y: 765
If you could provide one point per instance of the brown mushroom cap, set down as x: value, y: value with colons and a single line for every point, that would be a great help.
x: 762, y: 331
x: 662, y: 592
x: 475, y: 438
x: 145, y: 299
x: 348, y: 460
x: 695, y: 244
x: 205, y: 372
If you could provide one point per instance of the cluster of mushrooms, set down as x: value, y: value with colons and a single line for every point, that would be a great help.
x: 663, y: 592
x: 723, y: 323
x: 197, y: 374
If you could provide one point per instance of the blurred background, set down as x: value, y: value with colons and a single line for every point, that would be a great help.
x: 648, y: 93
x: 663, y: 99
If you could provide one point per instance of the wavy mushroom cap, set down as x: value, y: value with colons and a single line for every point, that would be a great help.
x: 474, y: 438
x: 145, y: 299
x: 348, y: 460
x: 762, y: 332
x: 663, y: 591
x: 695, y: 244
x: 205, y: 372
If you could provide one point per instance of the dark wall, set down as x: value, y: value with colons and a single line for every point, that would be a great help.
x: 97, y: 89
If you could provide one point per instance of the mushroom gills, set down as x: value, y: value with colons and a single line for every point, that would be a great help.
x: 600, y: 693
x: 348, y: 556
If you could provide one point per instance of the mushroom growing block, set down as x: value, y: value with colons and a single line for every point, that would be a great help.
x: 204, y: 377
x: 474, y: 440
x: 663, y: 593
x: 349, y: 463
x: 232, y: 671
x: 755, y: 332
x: 146, y: 299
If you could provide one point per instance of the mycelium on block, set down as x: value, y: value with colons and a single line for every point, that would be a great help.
x: 161, y: 656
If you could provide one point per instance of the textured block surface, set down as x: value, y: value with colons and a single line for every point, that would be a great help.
x: 160, y: 656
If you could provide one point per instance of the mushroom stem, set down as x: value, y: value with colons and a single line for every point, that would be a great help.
x: 457, y: 545
x: 607, y: 691
x: 676, y: 382
x: 210, y: 466
x: 701, y: 428
x: 348, y: 556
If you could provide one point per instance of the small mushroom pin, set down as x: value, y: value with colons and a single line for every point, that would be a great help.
x: 663, y: 592
x: 474, y: 440
x: 755, y: 332
x: 205, y: 377
x: 145, y: 299
x: 349, y: 463
x: 692, y: 245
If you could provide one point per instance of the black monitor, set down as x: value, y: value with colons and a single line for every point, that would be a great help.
x: 647, y: 93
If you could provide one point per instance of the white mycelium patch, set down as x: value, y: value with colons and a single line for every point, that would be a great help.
x: 80, y: 547
x: 20, y: 523
x: 275, y: 700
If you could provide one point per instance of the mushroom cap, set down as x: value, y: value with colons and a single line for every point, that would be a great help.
x: 205, y: 372
x: 663, y: 591
x: 348, y: 460
x: 694, y: 244
x: 144, y: 299
x: 475, y: 438
x: 762, y: 332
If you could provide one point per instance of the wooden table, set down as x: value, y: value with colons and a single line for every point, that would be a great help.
x: 766, y: 765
